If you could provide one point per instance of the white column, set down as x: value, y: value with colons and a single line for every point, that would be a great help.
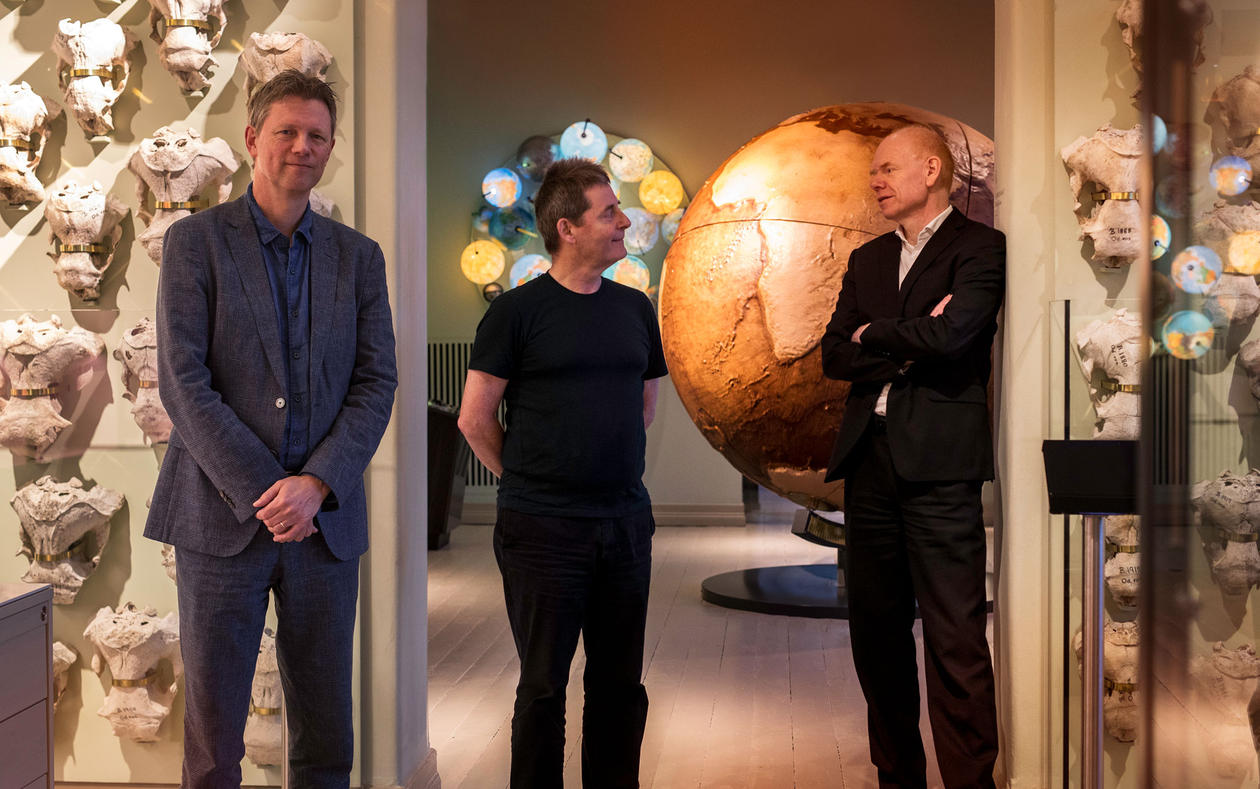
x: 391, y: 42
x: 1028, y: 690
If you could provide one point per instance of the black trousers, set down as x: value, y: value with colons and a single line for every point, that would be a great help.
x: 563, y: 577
x: 923, y: 541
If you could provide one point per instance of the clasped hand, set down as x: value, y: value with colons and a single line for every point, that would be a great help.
x: 288, y: 508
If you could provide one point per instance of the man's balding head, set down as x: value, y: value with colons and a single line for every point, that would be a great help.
x: 912, y: 173
x: 929, y: 142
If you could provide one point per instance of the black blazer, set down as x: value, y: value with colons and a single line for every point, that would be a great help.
x: 938, y: 420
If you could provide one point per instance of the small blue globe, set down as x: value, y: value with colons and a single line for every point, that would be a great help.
x: 585, y: 140
x: 669, y: 225
x: 501, y: 187
x: 643, y: 233
x: 1188, y: 334
x: 1230, y: 176
x: 1159, y: 134
x: 631, y: 271
x: 513, y: 227
x: 535, y: 155
x: 527, y: 268
x: 1196, y: 269
x: 481, y: 219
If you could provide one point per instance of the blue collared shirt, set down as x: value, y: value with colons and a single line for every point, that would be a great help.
x: 288, y: 263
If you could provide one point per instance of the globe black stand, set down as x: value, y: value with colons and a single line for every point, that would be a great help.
x: 815, y: 591
x: 807, y: 590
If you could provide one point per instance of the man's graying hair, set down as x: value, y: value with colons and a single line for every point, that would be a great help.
x: 286, y: 84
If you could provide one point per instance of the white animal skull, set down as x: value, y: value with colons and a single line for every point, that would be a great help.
x: 64, y: 657
x: 1229, y: 513
x: 1120, y: 676
x: 93, y: 69
x: 1226, y: 684
x: 1233, y: 233
x: 1122, y: 569
x: 24, y: 120
x: 267, y: 54
x: 185, y: 41
x: 168, y: 562
x: 132, y: 642
x: 176, y: 165
x: 262, y: 727
x: 1112, y: 353
x: 64, y: 531
x: 1233, y: 299
x: 83, y: 224
x: 138, y: 353
x: 1129, y: 15
x: 1233, y: 112
x: 1108, y: 213
x: 37, y: 357
x: 1249, y: 360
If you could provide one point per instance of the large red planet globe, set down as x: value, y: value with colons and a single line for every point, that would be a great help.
x: 751, y: 280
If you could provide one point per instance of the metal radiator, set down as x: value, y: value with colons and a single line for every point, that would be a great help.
x: 448, y: 367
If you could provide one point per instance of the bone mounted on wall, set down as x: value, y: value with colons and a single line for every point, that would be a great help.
x: 84, y: 224
x: 39, y: 357
x: 93, y: 68
x: 64, y: 529
x: 1103, y: 174
x: 182, y: 29
x: 24, y: 120
x: 176, y: 165
x: 132, y: 642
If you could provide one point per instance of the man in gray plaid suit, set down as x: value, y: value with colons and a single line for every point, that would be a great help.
x: 276, y: 365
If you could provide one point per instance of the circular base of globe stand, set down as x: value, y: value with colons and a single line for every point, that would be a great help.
x: 808, y: 590
x: 805, y: 590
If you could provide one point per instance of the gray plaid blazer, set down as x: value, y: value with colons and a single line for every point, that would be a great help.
x: 221, y: 378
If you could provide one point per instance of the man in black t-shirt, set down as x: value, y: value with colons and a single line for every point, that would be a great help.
x: 577, y: 358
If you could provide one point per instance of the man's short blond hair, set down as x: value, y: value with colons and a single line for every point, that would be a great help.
x: 931, y: 142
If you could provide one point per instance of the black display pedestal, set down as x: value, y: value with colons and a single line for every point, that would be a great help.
x: 807, y: 590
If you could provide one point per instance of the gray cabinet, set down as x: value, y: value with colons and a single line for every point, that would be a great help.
x: 25, y: 686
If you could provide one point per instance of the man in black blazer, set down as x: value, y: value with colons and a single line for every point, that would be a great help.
x: 913, y: 332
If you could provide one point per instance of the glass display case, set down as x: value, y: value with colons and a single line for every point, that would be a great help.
x: 1199, y: 496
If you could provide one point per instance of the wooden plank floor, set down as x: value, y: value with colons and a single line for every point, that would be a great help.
x: 736, y: 699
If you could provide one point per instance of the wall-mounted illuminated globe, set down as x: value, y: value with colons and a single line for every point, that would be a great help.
x: 614, y: 182
x: 513, y: 227
x: 644, y: 231
x: 527, y: 268
x: 535, y: 155
x: 1159, y: 134
x: 1196, y: 269
x: 660, y: 192
x: 751, y: 281
x: 669, y: 224
x: 584, y: 139
x: 630, y: 160
x: 630, y: 271
x: 1230, y: 176
x: 482, y: 262
x: 481, y: 219
x: 1161, y: 236
x: 1188, y: 334
x: 501, y: 187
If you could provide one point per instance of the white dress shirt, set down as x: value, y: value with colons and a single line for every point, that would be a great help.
x: 909, y: 254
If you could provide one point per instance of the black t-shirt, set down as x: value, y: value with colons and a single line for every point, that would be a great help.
x: 575, y: 365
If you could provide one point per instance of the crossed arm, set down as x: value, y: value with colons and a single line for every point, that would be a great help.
x: 875, y: 351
